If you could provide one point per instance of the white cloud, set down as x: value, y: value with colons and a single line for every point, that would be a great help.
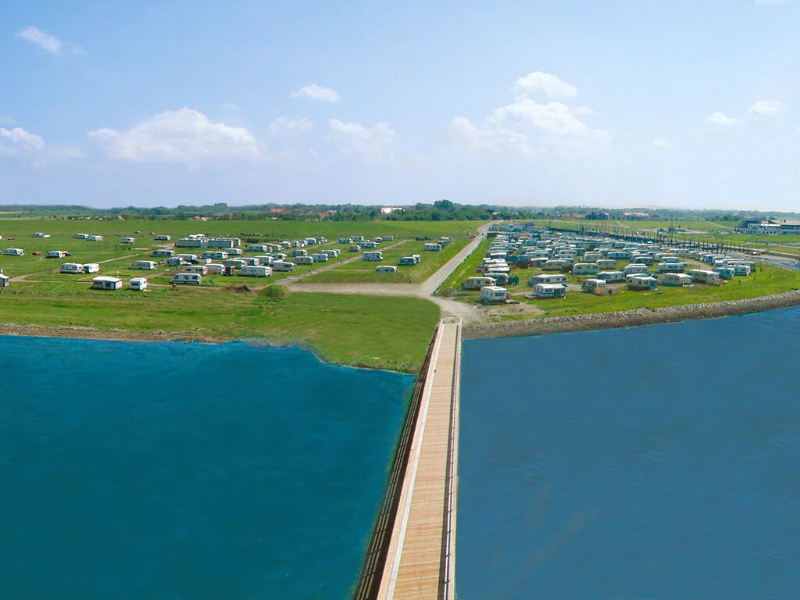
x: 663, y: 143
x: 282, y: 125
x: 529, y: 127
x: 371, y: 142
x: 550, y: 85
x: 719, y: 122
x: 183, y: 136
x: 17, y: 143
x: 49, y: 42
x: 316, y: 92
x: 766, y: 109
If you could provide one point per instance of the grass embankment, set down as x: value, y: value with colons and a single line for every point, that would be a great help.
x: 364, y: 272
x: 381, y: 332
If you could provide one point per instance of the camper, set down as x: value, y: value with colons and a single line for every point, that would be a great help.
x: 590, y: 285
x: 665, y: 267
x: 606, y: 264
x: 611, y: 276
x: 258, y: 248
x: 138, y: 284
x: 176, y: 261
x: 726, y: 272
x: 234, y: 251
x: 215, y: 269
x: 304, y: 260
x: 476, y: 283
x: 283, y: 266
x: 127, y: 240
x: 549, y: 278
x: 81, y: 236
x: 91, y: 268
x: 96, y: 238
x: 198, y: 269
x: 298, y: 252
x: 257, y: 271
x: 234, y: 263
x: 319, y: 257
x: 388, y: 238
x: 71, y: 268
x: 144, y: 265
x: 500, y: 277
x: 162, y: 238
x: 675, y: 279
x: 386, y: 269
x: 555, y: 265
x: 431, y: 247
x: 372, y: 256
x: 640, y: 282
x: 704, y: 276
x: 55, y: 254
x: 493, y: 294
x: 741, y: 270
x: 332, y: 253
x: 39, y: 234
x: 635, y: 269
x: 215, y: 254
x: 14, y: 252
x: 368, y: 245
x: 406, y: 261
x: 187, y: 278
x: 4, y: 280
x: 585, y: 269
x: 549, y: 290
x: 162, y: 253
x: 106, y: 283
x: 345, y: 241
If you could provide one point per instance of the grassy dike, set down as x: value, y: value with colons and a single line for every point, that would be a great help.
x: 379, y: 332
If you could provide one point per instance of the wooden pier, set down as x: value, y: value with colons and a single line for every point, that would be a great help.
x: 412, y: 552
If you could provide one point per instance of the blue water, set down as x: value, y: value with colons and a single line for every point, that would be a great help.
x: 183, y: 471
x: 659, y: 462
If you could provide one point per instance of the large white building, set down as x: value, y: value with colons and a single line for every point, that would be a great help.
x: 770, y: 227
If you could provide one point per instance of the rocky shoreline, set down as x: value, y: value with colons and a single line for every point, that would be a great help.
x: 630, y: 318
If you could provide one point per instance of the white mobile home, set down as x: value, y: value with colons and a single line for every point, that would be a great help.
x: 236, y: 263
x: 386, y: 269
x: 255, y: 271
x: 144, y: 265
x: 106, y: 283
x: 71, y: 268
x: 187, y: 278
x: 81, y: 236
x: 95, y: 238
x: 704, y: 276
x: 55, y: 254
x: 14, y: 252
x: 635, y: 269
x: 283, y: 266
x: 549, y: 290
x: 320, y: 257
x: 585, y: 269
x: 127, y: 240
x: 91, y: 268
x: 4, y: 281
x: 407, y: 261
x: 665, y: 267
x: 492, y: 294
x: 726, y: 272
x: 606, y: 263
x: 611, y: 276
x: 215, y: 254
x: 215, y: 269
x: 741, y: 270
x: 372, y: 256
x: 304, y: 260
x: 162, y: 253
x: 641, y: 282
x: 198, y: 269
x: 39, y: 234
x: 162, y: 238
x: 554, y: 278
x: 430, y: 247
x: 590, y: 285
x: 675, y: 279
x: 138, y: 284
x: 476, y: 283
x: 556, y: 265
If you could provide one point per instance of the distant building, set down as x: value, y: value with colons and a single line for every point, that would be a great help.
x: 769, y: 227
x: 598, y: 216
x: 387, y: 210
x: 635, y: 216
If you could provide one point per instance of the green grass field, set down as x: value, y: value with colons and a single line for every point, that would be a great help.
x: 383, y: 332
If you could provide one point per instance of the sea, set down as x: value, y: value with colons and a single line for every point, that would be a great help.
x: 652, y: 463
x: 188, y: 471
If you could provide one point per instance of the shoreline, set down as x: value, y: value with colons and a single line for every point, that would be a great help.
x: 630, y: 318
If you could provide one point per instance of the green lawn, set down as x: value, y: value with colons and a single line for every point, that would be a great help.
x: 385, y: 332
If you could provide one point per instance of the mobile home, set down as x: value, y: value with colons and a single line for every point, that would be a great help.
x: 14, y: 252
x: 431, y: 247
x: 197, y: 269
x: 304, y: 260
x: 283, y: 266
x: 548, y: 279
x: 162, y: 253
x: 187, y: 278
x: 81, y: 236
x: 106, y: 283
x: 611, y: 276
x: 215, y: 269
x: 144, y: 265
x: 138, y: 284
x: 493, y: 294
x: 407, y: 261
x: 605, y: 264
x: 549, y: 290
x: 162, y: 238
x: 386, y: 269
x: 71, y: 268
x: 665, y: 267
x: 127, y: 240
x: 635, y: 269
x: 95, y: 238
x: 372, y: 256
x: 704, y: 276
x: 726, y: 272
x: 500, y: 277
x: 555, y: 265
x: 55, y: 254
x: 585, y: 269
x: 319, y: 257
x: 641, y: 282
x: 476, y: 283
x: 91, y: 268
x: 4, y: 280
x: 590, y: 285
x: 675, y: 279
x: 257, y: 271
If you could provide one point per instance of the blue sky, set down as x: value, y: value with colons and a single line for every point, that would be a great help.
x: 659, y: 103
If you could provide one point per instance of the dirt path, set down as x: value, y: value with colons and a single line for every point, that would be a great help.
x: 450, y: 308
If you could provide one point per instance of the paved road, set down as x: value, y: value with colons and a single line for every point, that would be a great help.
x: 450, y: 308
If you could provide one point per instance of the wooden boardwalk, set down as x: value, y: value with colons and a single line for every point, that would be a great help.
x: 421, y: 559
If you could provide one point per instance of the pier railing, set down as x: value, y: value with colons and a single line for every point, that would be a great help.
x: 369, y: 579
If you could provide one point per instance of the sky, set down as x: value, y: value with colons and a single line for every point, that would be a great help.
x: 679, y: 103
